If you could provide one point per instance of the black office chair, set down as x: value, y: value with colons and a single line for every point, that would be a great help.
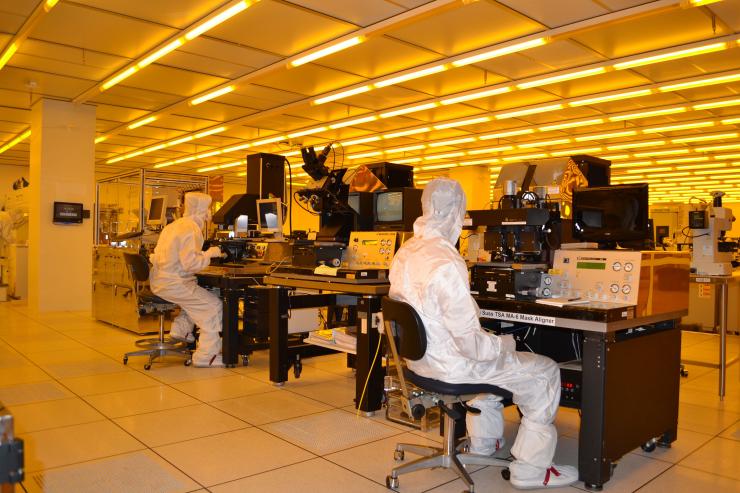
x: 409, y: 342
x: 148, y: 302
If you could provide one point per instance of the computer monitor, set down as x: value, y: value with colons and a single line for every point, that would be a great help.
x: 157, y: 211
x: 270, y: 216
x: 397, y: 209
x: 616, y: 213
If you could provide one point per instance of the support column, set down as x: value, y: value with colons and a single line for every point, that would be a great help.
x: 62, y: 170
x: 475, y: 184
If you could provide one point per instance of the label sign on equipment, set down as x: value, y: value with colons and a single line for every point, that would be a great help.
x: 517, y: 317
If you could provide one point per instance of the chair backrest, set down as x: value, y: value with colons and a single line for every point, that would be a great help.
x: 137, y: 265
x: 410, y: 332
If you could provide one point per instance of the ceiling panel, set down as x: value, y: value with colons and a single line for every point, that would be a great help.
x: 215, y: 111
x: 308, y: 79
x: 117, y: 114
x: 514, y: 99
x: 359, y: 12
x: 282, y: 123
x: 554, y: 14
x: 280, y: 28
x: 729, y: 12
x: 609, y: 81
x: 386, y: 97
x: 379, y: 56
x: 173, y: 13
x: 230, y: 52
x: 121, y: 95
x: 259, y: 97
x: 103, y: 31
x: 328, y: 112
x: 473, y: 26
x: 172, y: 80
x: 47, y: 84
x: 563, y: 53
x: 175, y: 122
x: 205, y: 65
x: 17, y: 99
x: 652, y: 32
x: 514, y: 66
x: 13, y: 14
x: 452, y: 81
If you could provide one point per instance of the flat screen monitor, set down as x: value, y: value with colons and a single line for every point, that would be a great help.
x: 270, y: 215
x: 67, y: 213
x: 611, y: 214
x: 157, y: 211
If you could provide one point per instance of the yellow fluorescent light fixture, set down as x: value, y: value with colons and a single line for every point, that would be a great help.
x: 647, y: 114
x: 559, y: 126
x: 209, y: 168
x: 668, y: 175
x: 476, y: 95
x: 490, y: 149
x: 631, y: 145
x: 568, y: 152
x: 444, y: 156
x: 611, y: 97
x: 218, y: 19
x: 412, y: 109
x: 541, y: 109
x: 718, y: 148
x: 239, y: 148
x: 525, y: 156
x: 406, y: 149
x: 141, y: 123
x: 608, y: 135
x: 49, y: 4
x: 307, y: 132
x: 340, y: 95
x: 561, y: 78
x: 511, y: 133
x: 683, y: 126
x: 164, y: 165
x: 403, y: 133
x: 118, y: 78
x: 616, y: 157
x: 231, y: 165
x: 635, y: 164
x: 356, y: 121
x: 208, y: 154
x: 8, y: 54
x: 462, y: 123
x: 702, y: 82
x: 701, y: 166
x: 206, y: 133
x: 411, y: 75
x: 364, y: 154
x: 673, y: 55
x: 271, y: 140
x: 727, y: 156
x: 730, y: 121
x: 506, y: 50
x: 100, y: 139
x: 348, y: 43
x: 160, y: 53
x: 438, y: 166
x: 154, y: 148
x: 671, y: 152
x: 180, y: 141
x: 698, y: 3
x: 360, y: 141
x: 211, y: 95
x: 717, y: 104
x: 543, y: 143
x: 479, y: 161
x: 700, y: 138
x: 452, y: 142
x: 407, y: 160
x: 716, y: 172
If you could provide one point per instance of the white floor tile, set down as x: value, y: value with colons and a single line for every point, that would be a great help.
x: 270, y: 407
x: 139, y: 401
x: 681, y: 479
x: 721, y: 456
x: 52, y: 414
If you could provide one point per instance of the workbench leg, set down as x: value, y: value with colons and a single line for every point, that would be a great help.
x: 723, y: 300
x: 230, y: 327
x: 277, y: 307
x: 369, y: 366
x: 593, y: 468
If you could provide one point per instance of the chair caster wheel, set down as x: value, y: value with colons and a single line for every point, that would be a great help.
x: 398, y: 455
x: 125, y: 360
x: 188, y: 362
x: 147, y: 366
x: 506, y: 474
x: 245, y: 360
x: 391, y: 483
x: 648, y: 446
x: 297, y: 369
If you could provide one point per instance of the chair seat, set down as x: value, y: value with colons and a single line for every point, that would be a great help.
x: 146, y: 297
x: 439, y: 387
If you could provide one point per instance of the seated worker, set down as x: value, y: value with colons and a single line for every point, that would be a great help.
x: 177, y: 257
x: 429, y: 274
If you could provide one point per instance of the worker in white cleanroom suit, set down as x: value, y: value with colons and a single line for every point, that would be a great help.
x: 177, y: 257
x: 429, y: 274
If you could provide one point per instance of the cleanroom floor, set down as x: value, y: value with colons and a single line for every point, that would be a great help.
x: 91, y: 424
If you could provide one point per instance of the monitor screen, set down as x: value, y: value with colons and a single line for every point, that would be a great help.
x: 389, y: 207
x: 614, y: 213
x: 269, y: 214
x: 156, y: 210
x: 67, y: 213
x: 353, y: 200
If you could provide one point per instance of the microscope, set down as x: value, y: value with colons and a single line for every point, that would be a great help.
x: 712, y: 254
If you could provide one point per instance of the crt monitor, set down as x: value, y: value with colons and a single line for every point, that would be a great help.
x: 157, y: 211
x: 270, y: 215
x: 611, y: 214
x: 396, y: 209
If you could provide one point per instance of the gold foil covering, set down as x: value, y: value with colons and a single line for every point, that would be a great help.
x: 365, y: 181
x: 572, y: 179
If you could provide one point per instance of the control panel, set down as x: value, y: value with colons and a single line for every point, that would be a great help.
x: 599, y: 275
x: 550, y: 286
x: 371, y: 249
x: 571, y: 382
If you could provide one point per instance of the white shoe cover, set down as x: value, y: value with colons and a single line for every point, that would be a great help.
x: 214, y: 361
x: 188, y: 338
x: 500, y: 442
x: 553, y: 477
